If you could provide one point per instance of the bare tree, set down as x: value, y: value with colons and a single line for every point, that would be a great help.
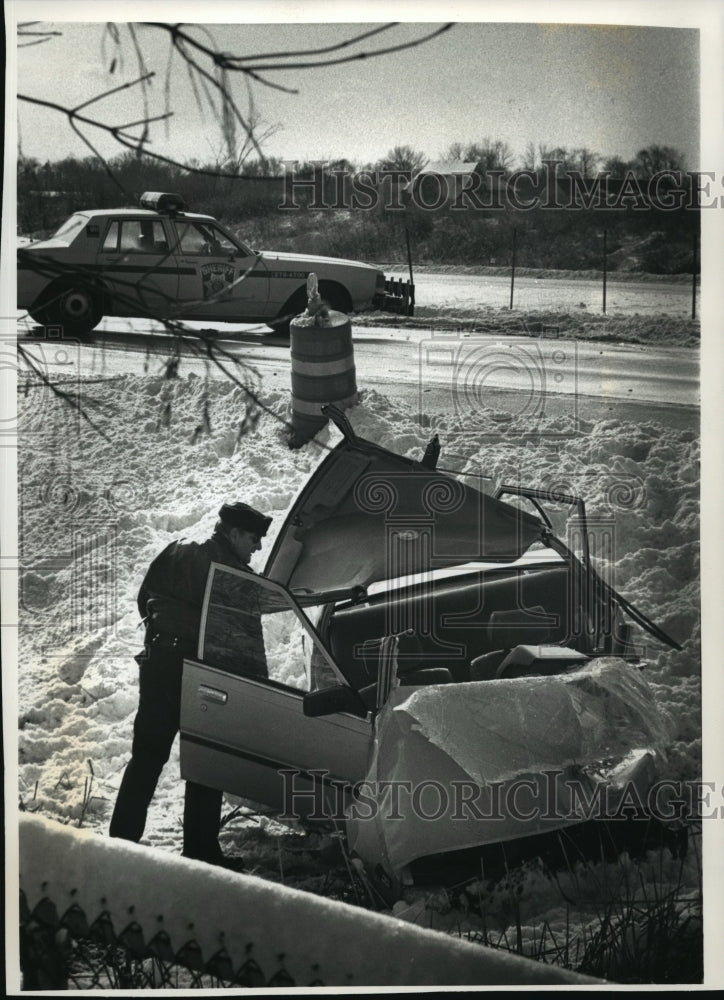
x: 403, y: 158
x: 560, y: 154
x: 653, y: 159
x: 530, y: 157
x: 586, y: 160
x: 211, y: 72
x: 616, y: 166
x: 455, y: 151
x: 490, y: 154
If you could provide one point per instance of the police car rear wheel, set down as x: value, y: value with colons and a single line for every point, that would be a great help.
x: 74, y: 307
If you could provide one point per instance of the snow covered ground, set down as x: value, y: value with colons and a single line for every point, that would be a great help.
x: 466, y: 291
x: 94, y: 511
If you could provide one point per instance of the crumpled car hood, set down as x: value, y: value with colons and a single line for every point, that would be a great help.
x: 368, y: 515
x: 598, y: 725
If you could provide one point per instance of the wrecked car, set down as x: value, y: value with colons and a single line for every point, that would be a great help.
x: 426, y: 664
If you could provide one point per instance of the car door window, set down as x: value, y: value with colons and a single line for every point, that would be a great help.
x: 253, y: 627
x: 206, y: 239
x: 110, y: 243
x: 143, y: 236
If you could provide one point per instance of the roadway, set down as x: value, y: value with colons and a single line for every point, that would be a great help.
x: 433, y: 370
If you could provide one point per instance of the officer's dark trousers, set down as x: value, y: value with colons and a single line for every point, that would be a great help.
x: 154, y: 730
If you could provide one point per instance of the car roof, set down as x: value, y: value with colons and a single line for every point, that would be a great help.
x: 145, y: 212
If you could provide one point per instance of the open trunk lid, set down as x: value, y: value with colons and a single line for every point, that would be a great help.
x: 368, y: 515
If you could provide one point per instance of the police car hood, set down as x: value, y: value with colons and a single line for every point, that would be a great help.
x: 310, y: 262
x: 368, y: 515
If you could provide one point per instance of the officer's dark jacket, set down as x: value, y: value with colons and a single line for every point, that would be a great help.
x: 172, y: 591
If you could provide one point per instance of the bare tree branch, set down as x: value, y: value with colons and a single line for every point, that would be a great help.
x: 143, y: 70
x: 226, y: 111
x: 228, y: 105
x: 107, y: 93
x: 100, y: 158
x: 24, y: 33
x: 66, y: 397
x: 217, y: 356
x: 38, y: 41
x: 210, y: 83
x: 353, y: 58
x: 117, y: 133
x: 228, y: 60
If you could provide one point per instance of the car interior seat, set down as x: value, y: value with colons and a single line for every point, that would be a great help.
x: 505, y: 631
x: 540, y: 660
x: 485, y: 667
x: 400, y: 658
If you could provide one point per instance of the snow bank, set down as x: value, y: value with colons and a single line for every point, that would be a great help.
x: 312, y: 939
x: 94, y: 512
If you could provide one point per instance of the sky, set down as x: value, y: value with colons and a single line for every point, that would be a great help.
x: 611, y: 88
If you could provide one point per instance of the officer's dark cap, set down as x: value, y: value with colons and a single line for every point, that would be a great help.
x: 241, y: 515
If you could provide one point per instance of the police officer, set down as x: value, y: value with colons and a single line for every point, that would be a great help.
x: 169, y: 602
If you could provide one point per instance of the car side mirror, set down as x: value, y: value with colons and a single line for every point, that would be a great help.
x: 333, y: 699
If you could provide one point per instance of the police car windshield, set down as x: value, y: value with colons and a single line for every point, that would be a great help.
x: 70, y: 228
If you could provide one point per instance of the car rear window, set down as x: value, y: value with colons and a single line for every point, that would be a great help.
x: 70, y: 228
x: 142, y: 236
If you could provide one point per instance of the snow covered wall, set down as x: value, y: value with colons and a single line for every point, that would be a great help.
x: 250, y: 918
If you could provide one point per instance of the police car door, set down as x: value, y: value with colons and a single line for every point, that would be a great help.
x: 222, y: 278
x: 243, y: 728
x: 139, y: 267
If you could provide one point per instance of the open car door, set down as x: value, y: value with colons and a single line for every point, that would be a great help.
x: 243, y: 727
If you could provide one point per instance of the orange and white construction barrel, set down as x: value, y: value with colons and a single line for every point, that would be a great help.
x: 323, y: 370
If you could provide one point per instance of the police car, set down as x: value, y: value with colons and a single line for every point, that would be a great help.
x: 162, y: 262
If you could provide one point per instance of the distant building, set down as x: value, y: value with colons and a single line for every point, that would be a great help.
x: 446, y: 181
x: 449, y: 168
